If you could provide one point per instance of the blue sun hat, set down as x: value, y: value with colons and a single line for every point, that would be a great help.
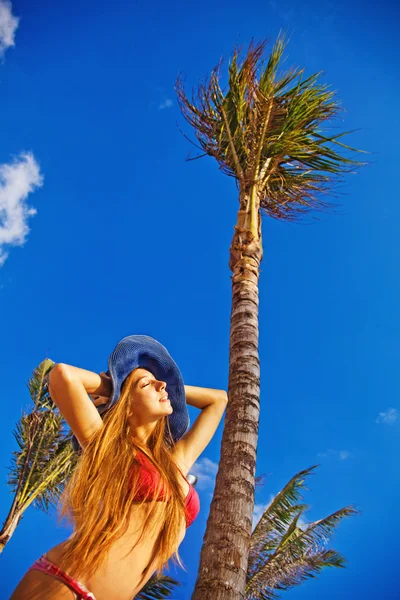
x: 143, y: 351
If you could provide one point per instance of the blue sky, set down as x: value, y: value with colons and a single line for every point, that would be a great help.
x: 106, y: 231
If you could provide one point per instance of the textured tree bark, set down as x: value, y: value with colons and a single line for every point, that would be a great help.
x: 224, y: 555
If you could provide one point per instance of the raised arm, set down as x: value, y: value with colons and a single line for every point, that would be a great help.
x: 200, y: 397
x: 212, y: 404
x: 69, y: 387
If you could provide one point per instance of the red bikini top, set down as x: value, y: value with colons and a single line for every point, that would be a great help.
x: 149, y: 477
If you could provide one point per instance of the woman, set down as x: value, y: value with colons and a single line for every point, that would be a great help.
x: 128, y: 498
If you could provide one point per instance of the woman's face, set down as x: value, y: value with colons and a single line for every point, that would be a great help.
x: 147, y: 393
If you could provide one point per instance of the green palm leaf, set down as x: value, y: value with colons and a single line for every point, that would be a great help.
x: 45, y: 456
x: 278, y: 517
x: 44, y: 459
x: 283, y: 554
x: 38, y: 385
x: 285, y: 575
x: 56, y: 472
x: 266, y: 131
x: 157, y: 588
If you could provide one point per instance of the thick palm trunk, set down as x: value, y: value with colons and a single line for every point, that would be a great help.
x: 224, y: 555
x: 10, y: 524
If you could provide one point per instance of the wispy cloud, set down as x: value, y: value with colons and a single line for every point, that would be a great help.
x: 166, y: 104
x: 344, y: 454
x: 302, y: 523
x: 330, y: 453
x: 17, y: 180
x: 206, y: 470
x: 389, y: 417
x: 259, y: 510
x: 8, y: 26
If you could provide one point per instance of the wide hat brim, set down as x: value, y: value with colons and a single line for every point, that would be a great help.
x: 143, y: 351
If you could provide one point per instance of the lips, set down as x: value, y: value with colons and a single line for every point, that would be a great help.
x: 164, y: 399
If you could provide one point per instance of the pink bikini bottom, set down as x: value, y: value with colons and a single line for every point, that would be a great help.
x: 44, y: 565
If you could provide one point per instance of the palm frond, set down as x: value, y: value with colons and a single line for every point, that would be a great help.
x: 54, y: 476
x: 38, y: 385
x: 288, y: 574
x: 318, y: 533
x: 265, y: 131
x: 299, y: 555
x: 45, y: 458
x: 157, y: 588
x: 39, y: 435
x: 267, y: 79
x: 277, y: 518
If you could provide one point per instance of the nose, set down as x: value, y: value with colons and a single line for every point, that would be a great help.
x: 163, y: 385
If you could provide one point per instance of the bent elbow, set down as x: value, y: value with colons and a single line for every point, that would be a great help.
x: 224, y: 396
x: 58, y: 377
x: 58, y: 372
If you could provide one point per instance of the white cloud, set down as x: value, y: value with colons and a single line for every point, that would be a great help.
x: 206, y: 470
x: 302, y: 524
x: 8, y: 26
x: 259, y: 510
x: 17, y: 180
x: 322, y: 454
x: 166, y: 104
x: 389, y: 417
x: 342, y: 454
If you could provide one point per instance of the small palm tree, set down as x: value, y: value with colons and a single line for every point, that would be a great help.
x: 265, y: 131
x: 283, y: 553
x: 45, y: 458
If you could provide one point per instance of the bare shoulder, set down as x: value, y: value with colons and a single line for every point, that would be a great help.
x: 188, y: 449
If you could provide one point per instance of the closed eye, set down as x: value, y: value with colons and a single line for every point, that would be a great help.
x: 148, y: 383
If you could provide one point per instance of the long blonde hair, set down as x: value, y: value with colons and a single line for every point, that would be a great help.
x: 99, y: 497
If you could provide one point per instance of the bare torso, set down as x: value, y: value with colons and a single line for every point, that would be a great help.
x: 121, y: 577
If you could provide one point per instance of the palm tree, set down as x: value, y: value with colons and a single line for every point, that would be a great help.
x: 265, y: 131
x: 282, y: 552
x: 45, y: 457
